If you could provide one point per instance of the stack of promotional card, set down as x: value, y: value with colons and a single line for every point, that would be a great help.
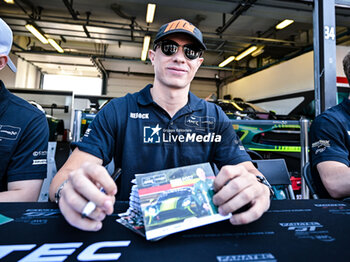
x: 133, y: 218
x: 169, y: 201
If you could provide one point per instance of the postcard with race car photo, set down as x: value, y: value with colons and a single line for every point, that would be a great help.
x: 176, y: 199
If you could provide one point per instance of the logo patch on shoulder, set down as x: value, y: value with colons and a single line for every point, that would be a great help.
x: 321, y: 146
x: 9, y: 132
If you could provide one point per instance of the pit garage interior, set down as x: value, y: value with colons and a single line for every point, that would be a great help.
x: 100, y: 44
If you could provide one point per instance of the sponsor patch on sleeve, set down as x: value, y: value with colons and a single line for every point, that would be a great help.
x: 9, y: 132
x: 321, y: 146
x: 39, y: 162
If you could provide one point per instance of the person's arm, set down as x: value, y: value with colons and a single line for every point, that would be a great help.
x: 22, y: 191
x: 335, y: 177
x: 330, y: 151
x: 26, y: 168
x: 85, y: 175
x: 236, y: 186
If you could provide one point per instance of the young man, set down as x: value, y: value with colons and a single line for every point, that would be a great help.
x: 24, y: 137
x: 330, y: 139
x: 162, y: 126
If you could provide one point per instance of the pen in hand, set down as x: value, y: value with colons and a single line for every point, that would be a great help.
x: 91, y: 206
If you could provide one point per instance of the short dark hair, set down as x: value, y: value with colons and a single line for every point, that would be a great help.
x: 346, y: 66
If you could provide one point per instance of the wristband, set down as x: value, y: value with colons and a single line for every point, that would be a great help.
x: 58, y: 192
x: 264, y: 181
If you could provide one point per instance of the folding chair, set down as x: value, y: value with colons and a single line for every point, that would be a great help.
x: 276, y: 172
x: 309, y: 180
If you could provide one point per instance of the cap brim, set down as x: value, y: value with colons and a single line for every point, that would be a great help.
x: 11, y: 65
x: 179, y: 31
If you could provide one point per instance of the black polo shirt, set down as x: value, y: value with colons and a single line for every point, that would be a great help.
x: 330, y: 140
x: 142, y: 137
x: 24, y: 137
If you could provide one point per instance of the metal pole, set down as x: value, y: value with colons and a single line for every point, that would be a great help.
x: 76, y: 126
x: 72, y: 115
x: 324, y: 55
x: 316, y: 59
x: 304, y: 158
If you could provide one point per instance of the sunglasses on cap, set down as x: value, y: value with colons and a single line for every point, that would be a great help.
x: 170, y: 48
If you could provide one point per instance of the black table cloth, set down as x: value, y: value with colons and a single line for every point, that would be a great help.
x: 292, y: 230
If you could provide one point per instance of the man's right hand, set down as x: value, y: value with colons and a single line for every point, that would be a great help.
x: 84, y: 185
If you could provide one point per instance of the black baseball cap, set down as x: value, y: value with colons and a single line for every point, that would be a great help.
x: 180, y: 26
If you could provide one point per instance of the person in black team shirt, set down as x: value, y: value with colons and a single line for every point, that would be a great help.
x: 162, y: 126
x: 24, y: 137
x: 330, y: 144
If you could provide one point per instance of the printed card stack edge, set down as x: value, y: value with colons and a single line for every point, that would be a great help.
x: 169, y: 201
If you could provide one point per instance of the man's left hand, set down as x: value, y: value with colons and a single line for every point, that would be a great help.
x: 237, y: 186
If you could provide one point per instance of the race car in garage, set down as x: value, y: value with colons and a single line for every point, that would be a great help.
x: 261, y: 130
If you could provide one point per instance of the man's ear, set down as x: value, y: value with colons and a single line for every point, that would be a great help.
x: 201, y: 59
x: 151, y: 55
x: 3, y: 61
x: 199, y: 62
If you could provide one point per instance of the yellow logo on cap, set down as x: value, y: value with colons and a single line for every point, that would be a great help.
x: 180, y: 24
